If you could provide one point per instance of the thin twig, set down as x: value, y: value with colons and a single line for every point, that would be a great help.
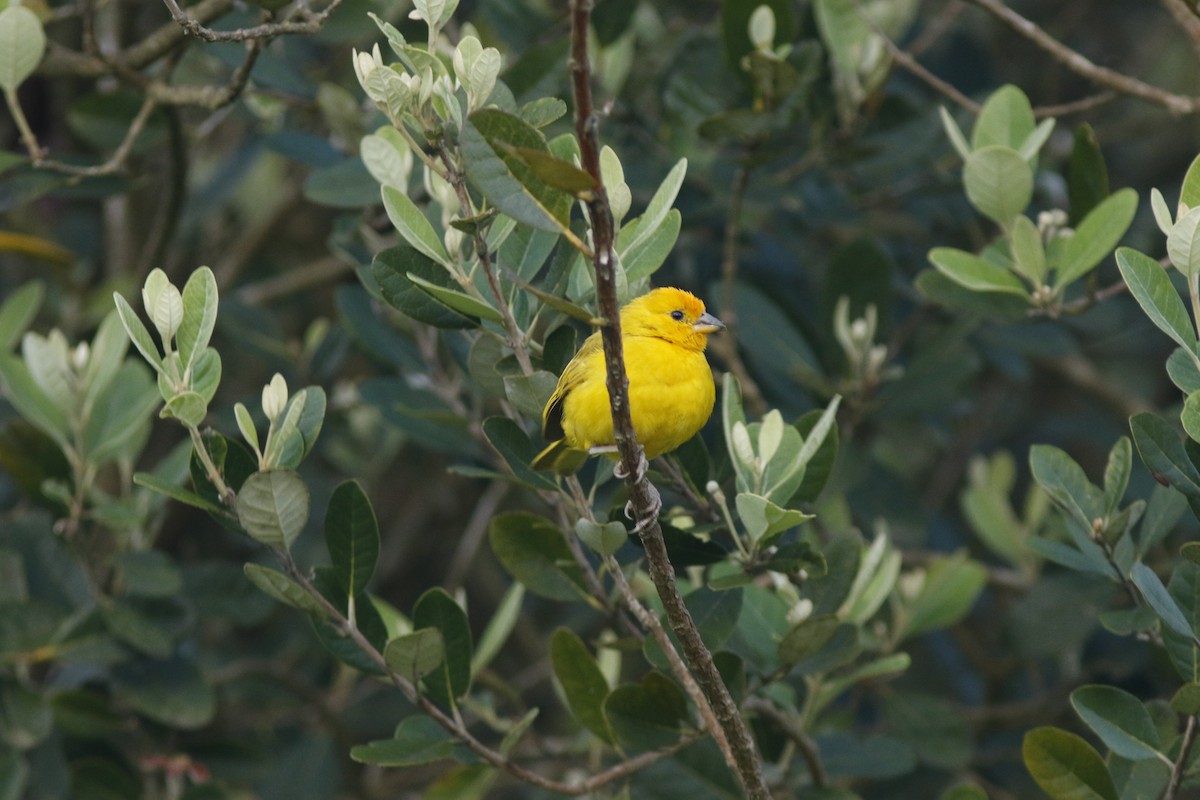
x: 808, y: 748
x: 1179, y: 769
x: 302, y: 21
x: 516, y: 337
x: 726, y: 346
x: 474, y: 531
x: 455, y: 726
x: 64, y: 61
x: 651, y: 623
x: 316, y: 273
x: 641, y: 493
x: 1081, y: 65
x: 211, y: 97
x: 1185, y: 15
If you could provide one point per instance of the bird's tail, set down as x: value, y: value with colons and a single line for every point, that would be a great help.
x: 561, y: 458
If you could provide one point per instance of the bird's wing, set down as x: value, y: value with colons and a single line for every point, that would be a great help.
x: 572, y: 376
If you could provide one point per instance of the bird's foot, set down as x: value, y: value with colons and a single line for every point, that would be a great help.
x: 642, y: 467
x: 655, y: 507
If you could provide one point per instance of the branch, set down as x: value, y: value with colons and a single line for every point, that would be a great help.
x: 455, y: 726
x: 1081, y: 65
x: 641, y: 493
x: 726, y: 346
x: 1181, y: 762
x: 302, y: 20
x: 516, y: 337
x: 1185, y: 15
x: 64, y: 61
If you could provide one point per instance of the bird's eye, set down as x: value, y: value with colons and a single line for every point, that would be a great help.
x: 677, y: 315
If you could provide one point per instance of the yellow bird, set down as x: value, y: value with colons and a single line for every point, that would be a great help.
x: 671, y: 390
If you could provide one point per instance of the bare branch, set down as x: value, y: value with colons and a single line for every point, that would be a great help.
x: 1081, y: 65
x: 1185, y: 15
x: 64, y: 61
x: 302, y: 20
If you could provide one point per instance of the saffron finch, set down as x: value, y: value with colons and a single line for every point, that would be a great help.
x: 671, y: 391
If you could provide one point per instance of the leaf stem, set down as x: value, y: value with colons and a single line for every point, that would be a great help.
x: 1179, y: 768
x: 228, y: 497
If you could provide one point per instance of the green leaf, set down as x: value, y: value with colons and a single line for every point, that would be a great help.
x: 352, y: 536
x: 1036, y: 138
x: 998, y: 182
x: 437, y: 609
x: 456, y: 300
x: 605, y: 539
x: 1119, y: 719
x: 1096, y: 236
x: 880, y: 668
x: 932, y: 725
x: 952, y: 584
x: 1065, y: 482
x: 22, y: 42
x: 273, y: 507
x: 498, y: 628
x: 1005, y: 119
x: 148, y: 573
x: 171, y: 691
x: 1066, y: 766
x: 1087, y: 174
x: 645, y: 257
x: 25, y: 717
x: 120, y: 414
x: 303, y: 417
x: 415, y: 655
x: 176, y: 492
x: 1189, y: 193
x: 488, y: 140
x: 413, y: 226
x: 30, y: 401
x: 582, y: 682
x: 1157, y: 596
x: 1150, y: 286
x: 1116, y: 474
x: 418, y: 740
x: 18, y: 311
x: 1028, y: 252
x: 1183, y: 243
x: 14, y: 774
x: 282, y: 588
x: 533, y: 551
x: 190, y: 408
x: 391, y: 269
x: 137, y: 332
x: 646, y: 715
x: 1183, y: 370
x: 807, y: 638
x: 1187, y: 700
x: 635, y: 233
x: 387, y: 156
x: 344, y: 184
x: 529, y: 393
x: 555, y: 172
x: 764, y: 520
x: 1163, y: 452
x: 954, y: 133
x: 518, y: 451
x: 199, y: 315
x: 973, y: 272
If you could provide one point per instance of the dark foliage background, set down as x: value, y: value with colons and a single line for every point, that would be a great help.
x: 786, y: 207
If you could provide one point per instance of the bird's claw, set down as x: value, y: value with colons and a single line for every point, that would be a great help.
x: 642, y: 467
x: 655, y: 507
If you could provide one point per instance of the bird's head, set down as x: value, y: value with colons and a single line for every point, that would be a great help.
x: 671, y: 314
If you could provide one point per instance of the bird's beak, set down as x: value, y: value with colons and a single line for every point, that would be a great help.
x: 707, y: 323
